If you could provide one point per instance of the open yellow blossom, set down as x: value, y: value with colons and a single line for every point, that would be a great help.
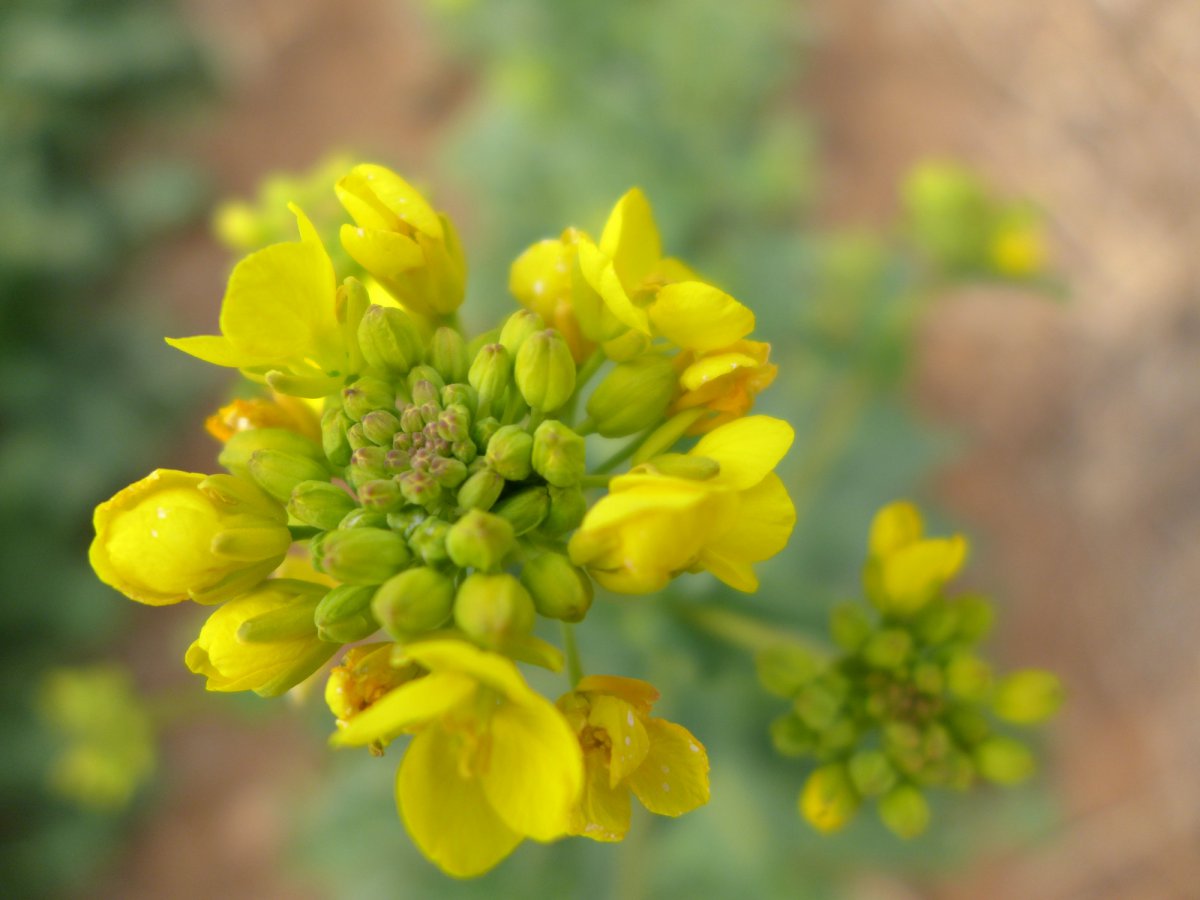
x: 653, y: 526
x: 545, y: 278
x: 413, y: 251
x: 491, y: 761
x: 278, y: 313
x: 904, y: 569
x: 263, y: 641
x: 624, y: 750
x: 179, y: 535
x: 365, y: 675
x: 279, y: 411
x: 724, y: 381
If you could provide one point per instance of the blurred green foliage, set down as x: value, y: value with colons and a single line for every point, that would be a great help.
x: 86, y: 389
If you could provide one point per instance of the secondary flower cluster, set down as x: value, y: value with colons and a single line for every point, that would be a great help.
x: 906, y: 704
x: 411, y: 501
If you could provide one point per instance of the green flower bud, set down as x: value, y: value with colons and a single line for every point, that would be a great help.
x: 320, y: 504
x: 480, y: 490
x: 937, y: 622
x: 381, y: 495
x: 849, y: 625
x: 334, y: 424
x: 517, y: 328
x: 976, y: 615
x: 344, y: 614
x: 545, y: 370
x: 969, y: 725
x: 784, y: 668
x: 460, y: 395
x: 816, y: 705
x: 828, y: 800
x: 411, y: 420
x: 968, y: 677
x: 367, y: 394
x: 350, y: 304
x: 448, y: 472
x: 510, y: 453
x: 278, y: 472
x: 1003, y: 760
x: 904, y: 811
x: 791, y: 737
x: 448, y: 354
x: 380, y: 426
x: 413, y: 602
x: 426, y: 393
x: 1028, y: 697
x: 464, y: 451
x: 425, y: 373
x: 559, y: 589
x: 633, y: 396
x: 871, y: 772
x: 837, y: 738
x: 357, y: 438
x: 405, y: 521
x: 490, y: 373
x: 480, y: 540
x: 367, y: 464
x: 493, y: 609
x: 559, y: 454
x: 928, y: 678
x: 362, y: 518
x: 484, y: 430
x: 888, y: 649
x: 363, y: 555
x: 567, y: 509
x: 419, y: 488
x: 242, y: 445
x: 390, y: 340
x: 454, y: 423
x: 428, y: 541
x: 525, y: 510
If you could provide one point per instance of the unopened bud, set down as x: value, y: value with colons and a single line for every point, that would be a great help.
x: 976, y: 615
x: 510, y: 452
x: 426, y: 393
x: 524, y: 511
x: 448, y: 472
x: 568, y: 506
x: 448, y: 354
x: 481, y: 490
x: 849, y: 625
x: 413, y: 602
x: 1004, y: 760
x: 490, y: 374
x: 419, y: 488
x: 545, y: 370
x: 242, y: 445
x: 344, y: 614
x: 784, y: 668
x: 278, y: 472
x: 558, y: 454
x: 428, y: 540
x: 791, y: 737
x: 493, y: 609
x: 334, y: 424
x: 285, y: 623
x: 320, y: 504
x: 367, y: 394
x: 464, y: 451
x: 367, y: 464
x: 559, y: 589
x: 484, y: 430
x: 454, y: 423
x: 888, y: 649
x: 357, y: 438
x: 633, y: 396
x: 425, y: 373
x: 460, y: 394
x: 381, y: 495
x: 351, y: 304
x: 390, y: 340
x: 816, y: 705
x: 363, y: 555
x: 905, y: 811
x: 828, y: 800
x: 517, y: 328
x: 968, y: 677
x: 361, y: 518
x: 480, y: 540
x: 871, y: 773
x: 380, y: 426
x: 1028, y: 697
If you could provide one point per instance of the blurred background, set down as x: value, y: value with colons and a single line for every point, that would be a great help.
x: 1042, y: 399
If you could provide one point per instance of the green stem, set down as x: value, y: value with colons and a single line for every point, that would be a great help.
x: 624, y: 453
x: 571, y: 649
x: 737, y: 628
x: 589, y: 368
x: 584, y: 428
x: 835, y: 428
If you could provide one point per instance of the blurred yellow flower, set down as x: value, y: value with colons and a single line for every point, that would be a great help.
x: 904, y: 569
x: 365, y: 675
x: 624, y: 750
x: 279, y: 411
x: 491, y: 761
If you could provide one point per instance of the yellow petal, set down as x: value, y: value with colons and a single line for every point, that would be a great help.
x: 385, y: 254
x: 534, y: 774
x: 673, y: 779
x: 447, y: 815
x: 641, y: 694
x: 396, y: 195
x: 541, y: 276
x: 626, y: 734
x: 598, y: 270
x: 738, y: 574
x: 604, y: 811
x: 762, y: 524
x: 747, y: 449
x: 914, y: 573
x: 710, y: 368
x: 699, y: 317
x: 491, y: 669
x: 218, y: 350
x: 630, y: 239
x: 402, y: 708
x: 896, y: 525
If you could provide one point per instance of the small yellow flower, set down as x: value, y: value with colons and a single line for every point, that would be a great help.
x: 904, y: 569
x: 280, y: 411
x: 365, y: 675
x: 179, y: 535
x: 413, y: 251
x: 491, y: 762
x: 263, y: 641
x: 1017, y: 248
x: 545, y: 278
x: 653, y: 526
x: 724, y: 381
x: 828, y: 800
x: 624, y: 750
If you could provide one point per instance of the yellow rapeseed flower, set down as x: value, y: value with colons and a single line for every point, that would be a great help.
x: 413, y: 251
x: 365, y: 675
x: 279, y: 411
x: 624, y: 750
x: 653, y: 526
x: 179, y: 535
x: 491, y: 761
x: 546, y: 279
x: 904, y: 569
x: 724, y: 381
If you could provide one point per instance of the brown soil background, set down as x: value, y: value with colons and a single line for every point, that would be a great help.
x: 1082, y: 421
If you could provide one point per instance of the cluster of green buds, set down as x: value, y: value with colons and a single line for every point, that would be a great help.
x: 907, y: 703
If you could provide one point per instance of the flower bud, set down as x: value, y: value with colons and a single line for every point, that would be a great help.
x: 481, y: 490
x: 413, y: 602
x: 968, y: 677
x: 517, y: 329
x: 464, y: 451
x: 568, y: 506
x: 390, y: 340
x: 888, y: 649
x: 905, y: 811
x: 367, y: 394
x: 448, y: 354
x: 425, y: 392
x: 871, y: 773
x: 344, y: 614
x: 380, y: 426
x: 284, y: 623
x: 428, y: 541
x: 459, y: 394
x: 320, y: 504
x: 454, y: 423
x: 828, y: 800
x: 510, y: 452
x: 357, y: 438
x: 976, y: 615
x: 791, y: 737
x: 545, y: 370
x: 361, y: 518
x: 350, y: 304
x: 363, y: 555
x: 558, y: 454
x: 367, y: 464
x: 480, y: 540
x: 484, y: 430
x: 493, y: 609
x: 425, y: 373
x: 277, y: 472
x: 784, y: 668
x: 633, y: 396
x: 381, y: 495
x: 1003, y: 760
x: 849, y: 625
x: 525, y: 510
x: 490, y: 374
x: 448, y: 472
x: 816, y: 705
x: 419, y: 488
x: 405, y: 521
x: 559, y: 589
x: 334, y: 424
x: 235, y: 455
x: 1028, y: 697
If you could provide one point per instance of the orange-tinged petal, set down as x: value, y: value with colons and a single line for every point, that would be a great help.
x: 641, y: 694
x: 402, y: 708
x: 626, y: 734
x: 673, y: 779
x: 603, y: 812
